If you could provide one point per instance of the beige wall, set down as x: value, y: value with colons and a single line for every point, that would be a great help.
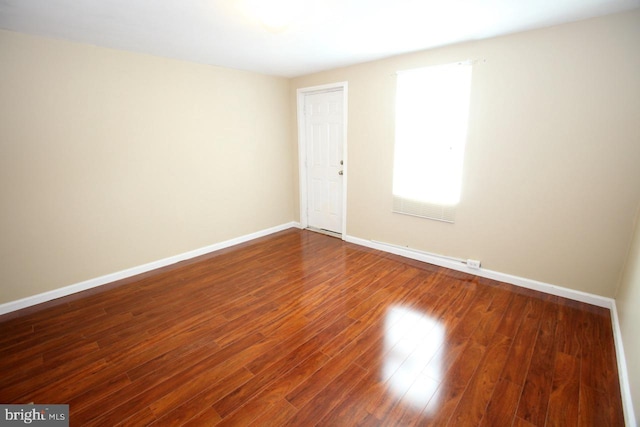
x: 628, y: 304
x: 551, y: 176
x: 109, y: 160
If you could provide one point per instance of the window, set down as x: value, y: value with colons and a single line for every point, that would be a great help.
x: 432, y: 108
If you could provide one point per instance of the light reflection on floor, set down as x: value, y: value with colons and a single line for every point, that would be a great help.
x: 411, y: 340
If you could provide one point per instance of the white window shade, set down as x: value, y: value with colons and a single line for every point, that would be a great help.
x: 432, y: 106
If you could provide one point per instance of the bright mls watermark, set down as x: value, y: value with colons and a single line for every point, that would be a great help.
x: 37, y: 415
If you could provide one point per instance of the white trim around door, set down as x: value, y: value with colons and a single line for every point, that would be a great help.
x: 302, y: 150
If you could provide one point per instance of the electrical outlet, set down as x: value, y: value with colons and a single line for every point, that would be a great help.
x: 473, y: 263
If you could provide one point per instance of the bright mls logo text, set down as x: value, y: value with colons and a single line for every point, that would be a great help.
x: 45, y: 415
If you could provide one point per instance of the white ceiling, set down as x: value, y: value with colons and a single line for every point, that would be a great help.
x: 322, y: 34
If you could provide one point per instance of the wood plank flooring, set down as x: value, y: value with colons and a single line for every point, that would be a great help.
x: 303, y: 329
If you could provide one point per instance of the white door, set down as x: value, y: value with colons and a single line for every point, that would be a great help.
x: 325, y: 166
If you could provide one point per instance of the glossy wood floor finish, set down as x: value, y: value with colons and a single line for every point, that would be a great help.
x: 303, y: 329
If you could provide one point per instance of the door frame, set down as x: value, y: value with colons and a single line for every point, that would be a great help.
x: 302, y: 149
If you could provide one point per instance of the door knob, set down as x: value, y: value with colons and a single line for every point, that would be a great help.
x: 340, y: 172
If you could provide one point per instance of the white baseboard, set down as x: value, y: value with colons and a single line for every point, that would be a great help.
x: 585, y: 297
x: 597, y: 300
x: 109, y: 278
x: 625, y: 387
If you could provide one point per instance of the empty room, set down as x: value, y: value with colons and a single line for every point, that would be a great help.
x: 331, y: 213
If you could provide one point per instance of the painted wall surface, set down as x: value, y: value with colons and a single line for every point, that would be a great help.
x: 551, y: 179
x: 628, y: 302
x: 110, y: 160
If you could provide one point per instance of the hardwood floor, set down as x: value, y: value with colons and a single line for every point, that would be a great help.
x: 302, y: 329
